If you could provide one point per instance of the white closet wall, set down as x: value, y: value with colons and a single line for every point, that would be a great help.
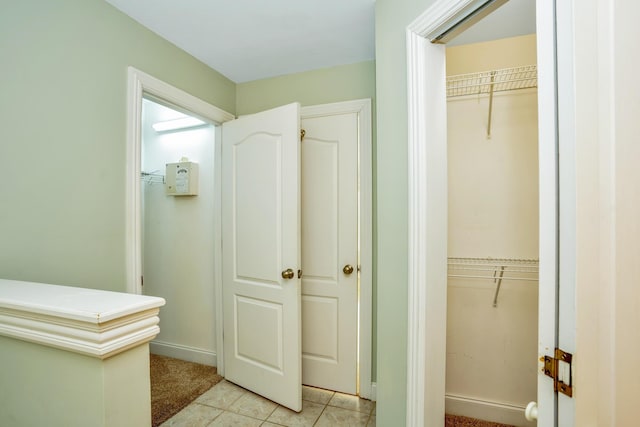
x: 493, y: 213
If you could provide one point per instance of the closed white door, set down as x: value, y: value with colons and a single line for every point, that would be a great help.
x: 330, y: 252
x: 261, y: 254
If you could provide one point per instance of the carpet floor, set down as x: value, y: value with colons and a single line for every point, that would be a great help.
x: 459, y: 421
x: 176, y: 383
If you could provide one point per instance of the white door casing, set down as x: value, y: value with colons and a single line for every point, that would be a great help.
x: 330, y: 245
x: 261, y: 239
x: 138, y: 84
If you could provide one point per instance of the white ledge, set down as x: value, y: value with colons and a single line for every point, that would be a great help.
x: 86, y: 321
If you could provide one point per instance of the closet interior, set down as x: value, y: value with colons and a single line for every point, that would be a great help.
x: 492, y: 292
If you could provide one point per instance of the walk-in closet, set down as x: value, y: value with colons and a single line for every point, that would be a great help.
x: 492, y: 293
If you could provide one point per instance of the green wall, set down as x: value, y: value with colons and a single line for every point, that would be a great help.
x: 392, y: 19
x: 63, y: 134
x: 342, y: 83
x: 58, y: 388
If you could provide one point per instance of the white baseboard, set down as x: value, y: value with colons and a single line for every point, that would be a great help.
x: 183, y: 352
x: 485, y: 410
x: 374, y: 392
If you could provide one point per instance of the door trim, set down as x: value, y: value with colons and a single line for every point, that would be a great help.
x: 139, y: 83
x: 427, y: 205
x: 363, y: 108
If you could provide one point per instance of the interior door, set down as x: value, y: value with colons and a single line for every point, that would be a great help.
x: 261, y: 254
x: 330, y: 252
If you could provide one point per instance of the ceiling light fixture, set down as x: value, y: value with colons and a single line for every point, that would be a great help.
x: 177, y: 124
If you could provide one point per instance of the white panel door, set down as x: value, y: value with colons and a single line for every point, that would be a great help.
x: 261, y: 241
x: 330, y: 252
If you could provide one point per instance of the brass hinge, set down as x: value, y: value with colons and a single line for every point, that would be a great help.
x: 559, y: 369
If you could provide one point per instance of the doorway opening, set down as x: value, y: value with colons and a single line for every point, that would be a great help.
x: 178, y: 227
x: 306, y: 219
x: 493, y: 229
x: 142, y: 86
x: 428, y: 193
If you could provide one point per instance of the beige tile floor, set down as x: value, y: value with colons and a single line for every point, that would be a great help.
x: 226, y: 404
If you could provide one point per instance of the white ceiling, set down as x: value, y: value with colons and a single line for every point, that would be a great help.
x: 248, y: 40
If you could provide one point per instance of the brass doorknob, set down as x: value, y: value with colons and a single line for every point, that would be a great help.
x: 288, y: 274
x: 348, y: 269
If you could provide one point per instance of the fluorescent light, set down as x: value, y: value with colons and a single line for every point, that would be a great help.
x: 176, y: 124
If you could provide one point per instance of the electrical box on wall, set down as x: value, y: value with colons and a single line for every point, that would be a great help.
x: 182, y: 179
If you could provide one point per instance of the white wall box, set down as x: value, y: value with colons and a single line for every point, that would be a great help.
x: 182, y: 179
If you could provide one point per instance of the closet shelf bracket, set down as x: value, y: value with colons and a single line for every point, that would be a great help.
x: 491, y: 84
x: 498, y: 281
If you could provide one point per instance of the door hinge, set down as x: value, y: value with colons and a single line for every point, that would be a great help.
x: 559, y: 369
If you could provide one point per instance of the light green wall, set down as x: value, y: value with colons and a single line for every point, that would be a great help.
x: 342, y: 83
x: 58, y: 388
x: 62, y: 139
x: 392, y: 19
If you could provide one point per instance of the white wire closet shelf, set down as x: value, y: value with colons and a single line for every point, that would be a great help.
x: 514, y: 78
x: 152, y: 177
x: 496, y: 269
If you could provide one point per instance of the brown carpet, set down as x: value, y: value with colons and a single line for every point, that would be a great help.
x: 459, y: 421
x: 176, y: 383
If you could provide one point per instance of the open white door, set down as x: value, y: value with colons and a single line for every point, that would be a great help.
x: 261, y: 254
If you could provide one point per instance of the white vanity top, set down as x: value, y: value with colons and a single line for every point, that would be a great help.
x: 88, y: 321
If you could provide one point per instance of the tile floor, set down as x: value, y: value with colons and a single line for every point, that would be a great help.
x: 226, y: 404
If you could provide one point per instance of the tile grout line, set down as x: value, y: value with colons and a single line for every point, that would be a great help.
x: 321, y: 412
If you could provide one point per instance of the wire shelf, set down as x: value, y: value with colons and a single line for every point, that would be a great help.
x: 152, y: 177
x: 496, y: 80
x: 496, y: 269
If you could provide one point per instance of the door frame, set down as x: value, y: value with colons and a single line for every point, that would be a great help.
x: 138, y: 84
x: 427, y: 153
x: 362, y: 107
